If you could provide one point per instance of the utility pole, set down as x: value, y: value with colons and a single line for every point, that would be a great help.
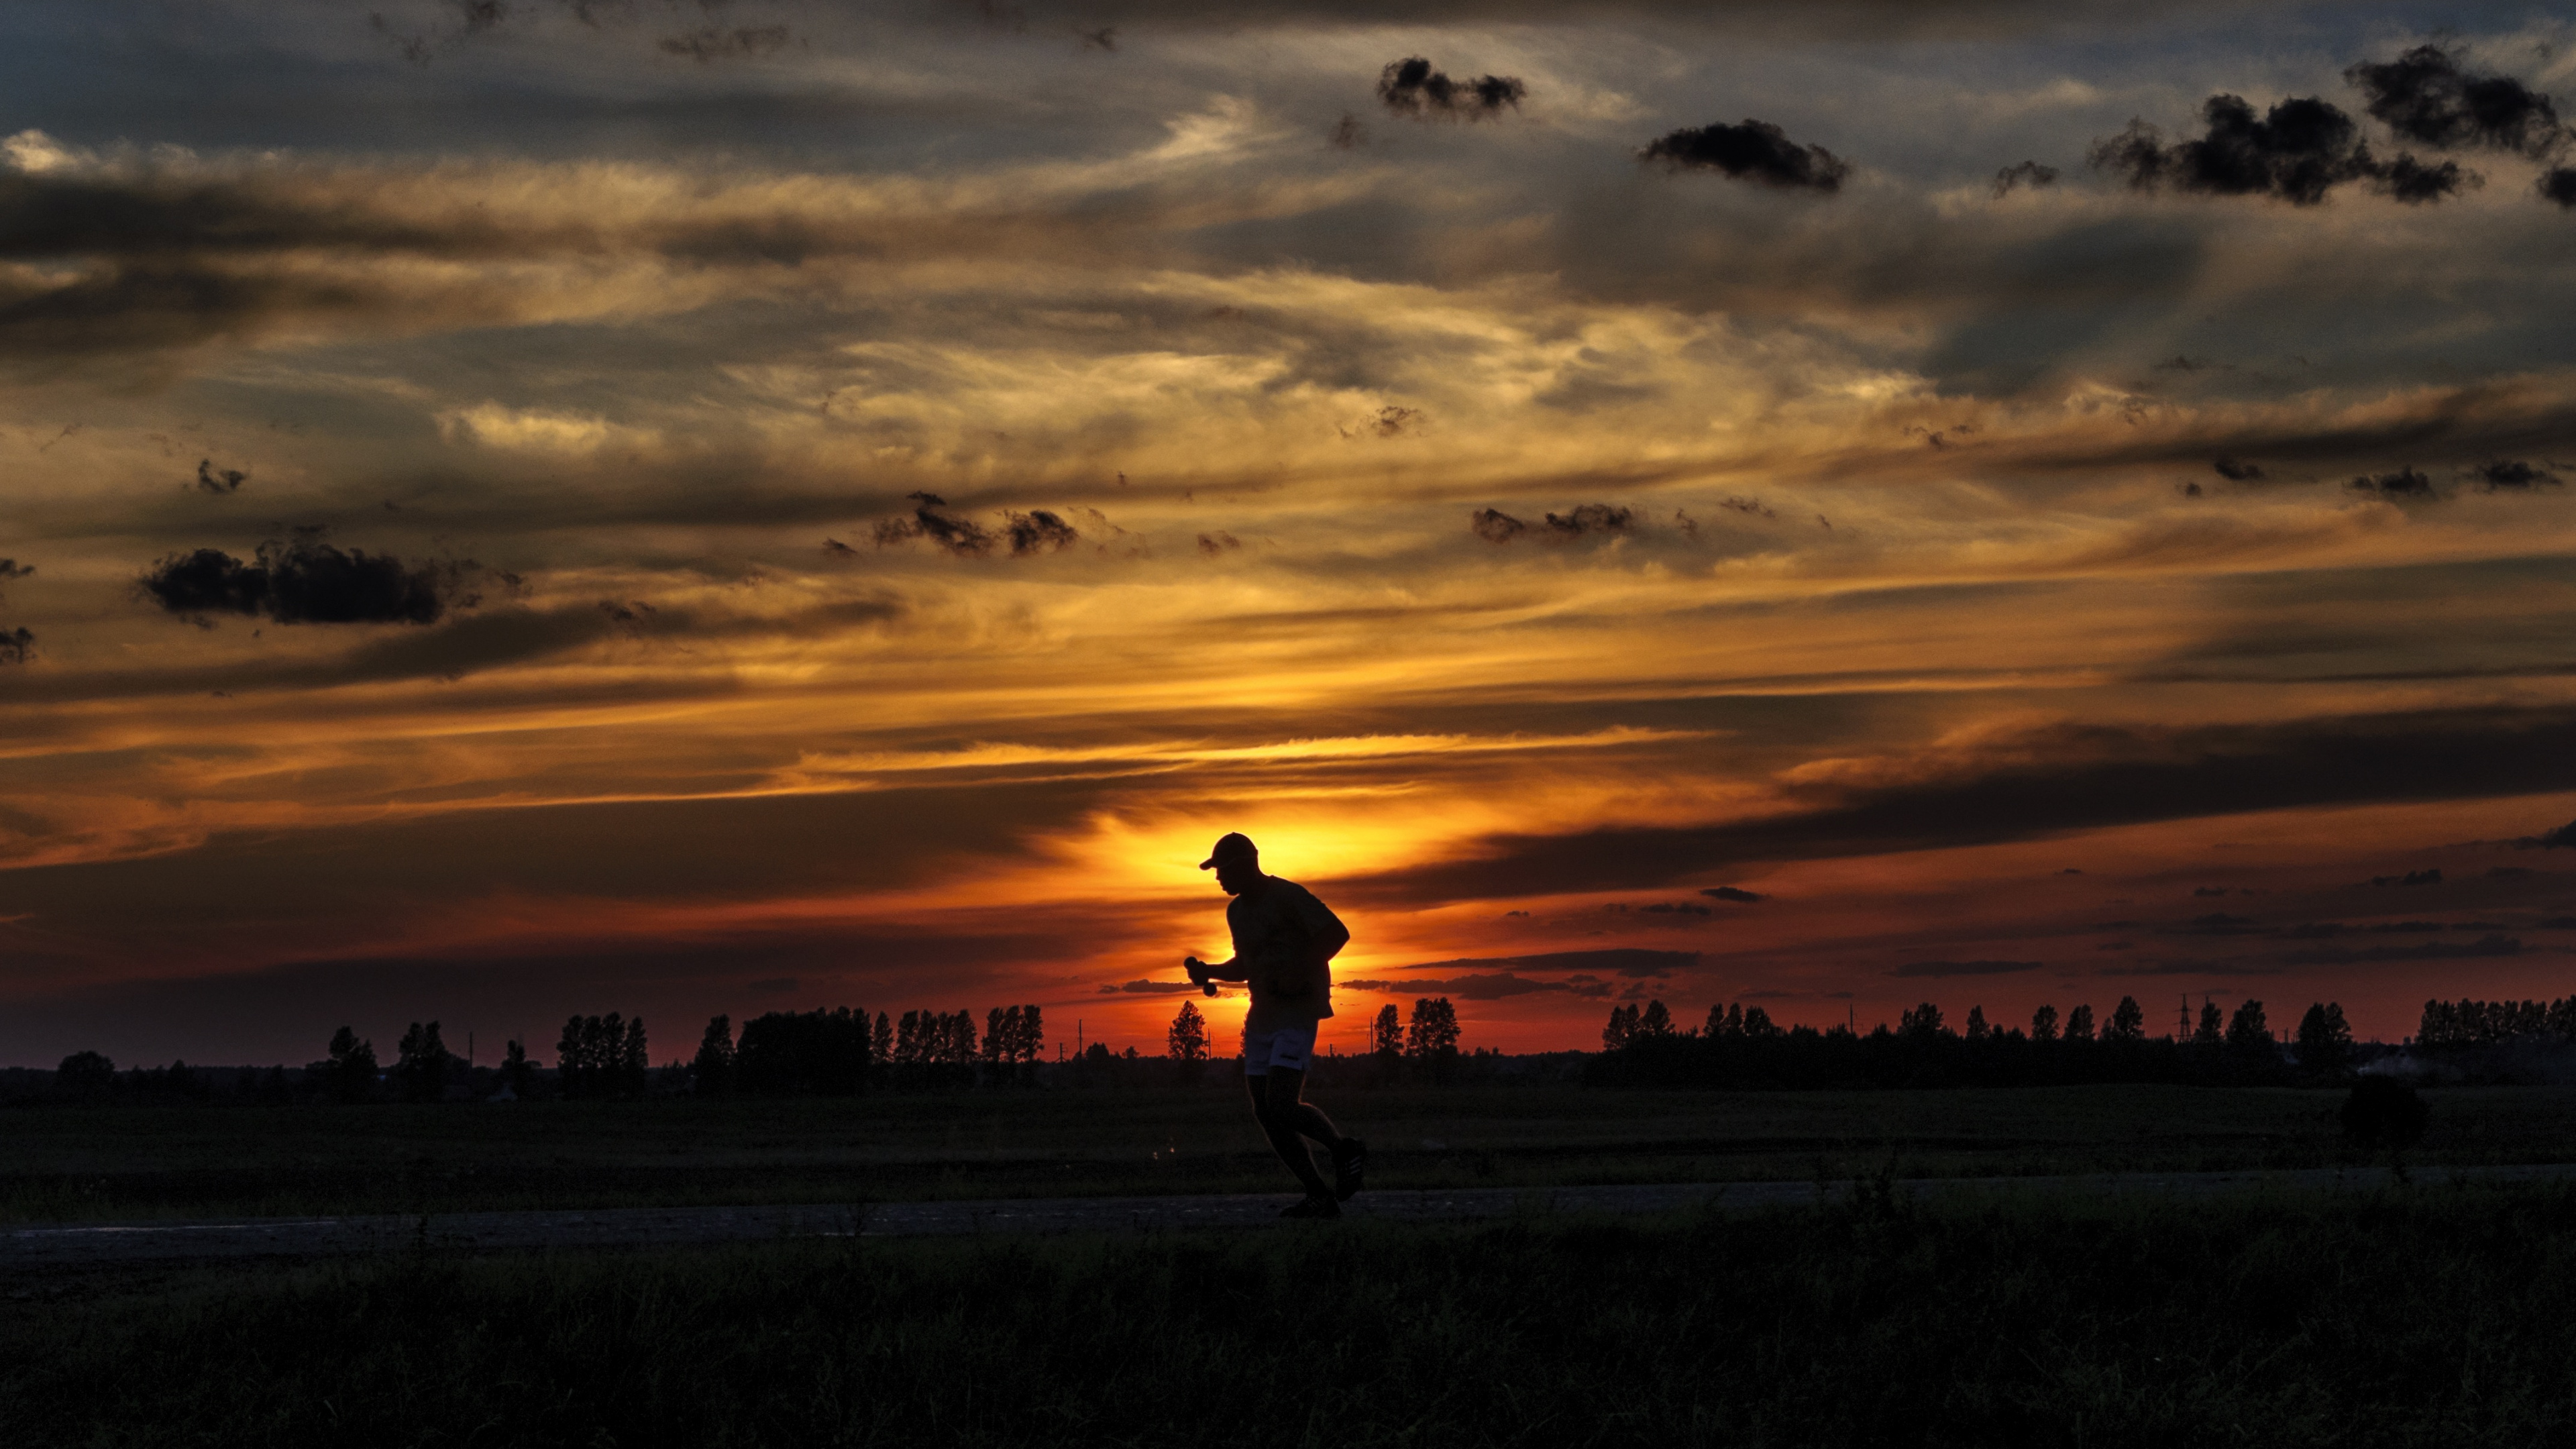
x: 2183, y: 1032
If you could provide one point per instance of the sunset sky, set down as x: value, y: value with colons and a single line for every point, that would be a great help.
x: 519, y: 507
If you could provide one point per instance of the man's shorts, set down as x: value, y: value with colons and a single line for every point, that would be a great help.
x: 1289, y: 1049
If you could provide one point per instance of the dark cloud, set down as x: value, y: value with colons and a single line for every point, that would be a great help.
x: 1348, y: 134
x: 1213, y: 544
x: 1495, y: 526
x: 10, y: 569
x: 1154, y: 988
x: 1410, y: 87
x: 2429, y: 951
x: 959, y: 536
x: 1752, y: 506
x: 1477, y: 988
x: 2217, y: 923
x: 1753, y: 151
x: 1590, y: 518
x: 713, y: 43
x: 2405, y: 484
x: 2041, y: 783
x: 1963, y: 968
x: 16, y: 646
x: 2410, y: 878
x: 2237, y: 471
x: 211, y: 479
x: 2564, y: 835
x: 2297, y: 152
x: 838, y: 549
x: 1731, y: 893
x: 2514, y: 474
x: 1675, y: 908
x: 2026, y: 173
x: 306, y: 581
x: 1633, y: 962
x: 2426, y: 95
x: 1038, y: 531
x: 2558, y: 184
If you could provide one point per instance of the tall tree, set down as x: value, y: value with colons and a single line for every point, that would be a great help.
x: 1977, y: 1028
x: 711, y: 1072
x: 1187, y: 1042
x: 420, y: 1064
x: 2247, y: 1031
x: 881, y: 1040
x: 2213, y: 1026
x: 1621, y: 1030
x: 351, y: 1067
x: 2043, y: 1024
x: 1032, y: 1034
x: 2325, y: 1038
x: 634, y: 1062
x: 86, y: 1076
x: 2079, y: 1024
x: 2128, y: 1022
x: 517, y: 1072
x: 1433, y: 1035
x: 1386, y: 1033
x: 1923, y: 1020
x: 1657, y: 1020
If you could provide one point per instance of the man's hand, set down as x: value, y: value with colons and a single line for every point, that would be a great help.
x: 1198, y: 972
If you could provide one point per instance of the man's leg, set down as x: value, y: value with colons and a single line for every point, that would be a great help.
x: 1281, y: 1131
x: 1288, y: 1103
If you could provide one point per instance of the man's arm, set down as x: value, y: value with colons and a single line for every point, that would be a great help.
x: 1233, y: 970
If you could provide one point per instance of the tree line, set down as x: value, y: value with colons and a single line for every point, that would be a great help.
x: 1741, y: 1047
x: 2452, y: 1025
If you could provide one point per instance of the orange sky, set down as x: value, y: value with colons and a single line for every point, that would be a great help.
x: 2028, y: 593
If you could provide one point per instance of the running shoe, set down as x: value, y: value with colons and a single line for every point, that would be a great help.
x: 1312, y: 1207
x: 1350, y: 1160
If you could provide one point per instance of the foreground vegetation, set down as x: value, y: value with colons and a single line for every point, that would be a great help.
x: 65, y: 1163
x: 2424, y: 1316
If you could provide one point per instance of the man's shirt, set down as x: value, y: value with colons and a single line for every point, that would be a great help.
x: 1276, y: 927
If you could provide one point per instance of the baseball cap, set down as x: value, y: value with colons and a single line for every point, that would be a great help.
x: 1233, y: 845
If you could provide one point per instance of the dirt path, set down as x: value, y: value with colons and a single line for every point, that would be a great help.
x: 24, y: 1249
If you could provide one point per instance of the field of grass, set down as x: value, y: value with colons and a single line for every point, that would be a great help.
x: 70, y: 1164
x: 2425, y: 1316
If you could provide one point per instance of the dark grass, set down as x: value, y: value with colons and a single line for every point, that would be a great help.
x: 95, y: 1164
x: 2425, y: 1316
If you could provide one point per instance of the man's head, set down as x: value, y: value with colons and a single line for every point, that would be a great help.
x: 1236, y: 861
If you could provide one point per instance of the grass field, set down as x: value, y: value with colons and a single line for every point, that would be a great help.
x: 2424, y: 1316
x: 60, y: 1163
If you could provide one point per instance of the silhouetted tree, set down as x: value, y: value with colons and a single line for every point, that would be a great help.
x: 1977, y: 1028
x: 803, y: 1053
x: 1433, y: 1036
x: 420, y: 1064
x: 1759, y: 1026
x: 85, y: 1076
x: 2325, y: 1038
x: 1621, y: 1030
x: 1386, y: 1033
x: 351, y: 1067
x: 517, y: 1072
x: 634, y: 1062
x: 1656, y: 1021
x: 2384, y: 1112
x: 1187, y: 1043
x: 2212, y: 1028
x: 711, y: 1071
x: 1726, y: 1021
x: 2247, y: 1031
x: 1921, y: 1021
x: 2079, y: 1024
x: 2128, y: 1023
x: 2043, y: 1024
x: 881, y: 1039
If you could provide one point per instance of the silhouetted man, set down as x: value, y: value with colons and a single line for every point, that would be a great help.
x: 1284, y: 944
